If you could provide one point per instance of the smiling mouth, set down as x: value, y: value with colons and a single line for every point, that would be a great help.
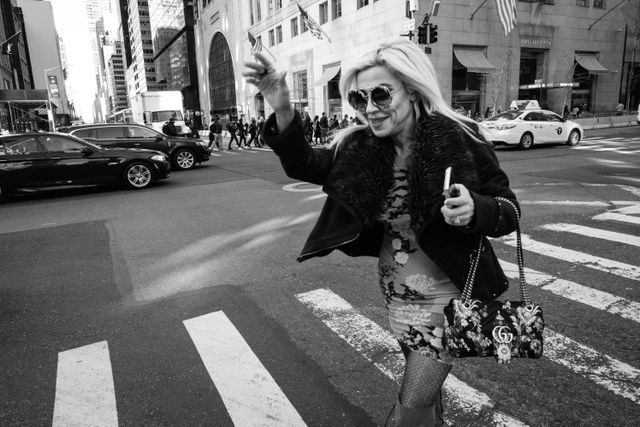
x: 376, y: 120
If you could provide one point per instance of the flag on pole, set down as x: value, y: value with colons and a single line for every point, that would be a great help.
x: 507, y: 14
x: 256, y: 45
x: 313, y: 26
x: 9, y: 45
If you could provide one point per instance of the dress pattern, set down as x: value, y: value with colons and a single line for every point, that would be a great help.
x: 416, y: 290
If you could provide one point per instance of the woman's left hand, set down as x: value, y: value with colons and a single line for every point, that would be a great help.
x: 458, y: 211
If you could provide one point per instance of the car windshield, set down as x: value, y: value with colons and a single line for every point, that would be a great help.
x: 97, y: 147
x: 163, y: 116
x: 507, y: 115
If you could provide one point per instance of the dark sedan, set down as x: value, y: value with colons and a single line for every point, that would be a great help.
x: 183, y: 152
x: 32, y: 161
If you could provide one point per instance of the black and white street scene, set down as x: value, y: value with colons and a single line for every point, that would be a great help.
x: 319, y: 213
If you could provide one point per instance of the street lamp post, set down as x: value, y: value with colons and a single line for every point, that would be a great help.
x: 50, y: 117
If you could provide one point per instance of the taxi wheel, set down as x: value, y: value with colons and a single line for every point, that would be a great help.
x: 526, y: 141
x: 574, y: 137
x: 138, y: 175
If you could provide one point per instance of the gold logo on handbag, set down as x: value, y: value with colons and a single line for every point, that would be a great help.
x: 502, y: 337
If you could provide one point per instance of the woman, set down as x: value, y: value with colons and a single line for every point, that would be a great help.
x: 384, y: 181
x: 317, y: 131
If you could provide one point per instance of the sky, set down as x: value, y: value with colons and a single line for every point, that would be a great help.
x: 71, y: 22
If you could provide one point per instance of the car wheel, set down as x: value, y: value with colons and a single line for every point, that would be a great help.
x: 574, y: 137
x: 138, y: 175
x: 184, y: 159
x: 526, y: 141
x: 4, y: 193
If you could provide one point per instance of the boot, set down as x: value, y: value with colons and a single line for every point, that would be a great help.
x: 414, y: 417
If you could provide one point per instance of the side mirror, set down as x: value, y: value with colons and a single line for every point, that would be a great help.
x: 159, y: 138
x: 87, y: 151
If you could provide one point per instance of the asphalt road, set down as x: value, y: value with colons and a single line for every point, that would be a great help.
x: 116, y: 306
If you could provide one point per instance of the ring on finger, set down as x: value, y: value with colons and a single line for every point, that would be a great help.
x: 457, y: 220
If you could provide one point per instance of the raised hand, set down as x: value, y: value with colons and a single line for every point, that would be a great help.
x: 270, y: 82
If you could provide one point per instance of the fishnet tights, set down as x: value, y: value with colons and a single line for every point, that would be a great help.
x: 423, y: 379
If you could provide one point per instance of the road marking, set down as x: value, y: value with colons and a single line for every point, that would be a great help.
x: 378, y: 346
x: 603, y: 264
x: 604, y: 301
x: 614, y: 375
x: 614, y: 216
x: 594, y: 232
x: 250, y: 394
x: 372, y: 341
x: 302, y: 187
x: 85, y: 394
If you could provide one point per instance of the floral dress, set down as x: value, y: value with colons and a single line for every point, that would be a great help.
x: 416, y: 290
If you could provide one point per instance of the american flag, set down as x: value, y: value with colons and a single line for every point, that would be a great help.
x: 7, y: 46
x: 313, y: 26
x: 256, y: 45
x: 507, y: 14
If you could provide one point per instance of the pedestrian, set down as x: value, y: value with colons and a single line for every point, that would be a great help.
x: 242, y: 134
x: 308, y: 128
x: 215, y: 133
x: 260, y: 129
x: 317, y: 131
x: 344, y: 122
x: 324, y: 126
x: 253, y: 133
x: 384, y: 183
x: 620, y: 109
x: 169, y: 127
x: 232, y: 128
x: 565, y: 112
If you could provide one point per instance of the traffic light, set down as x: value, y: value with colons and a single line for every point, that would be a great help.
x: 433, y: 33
x: 422, y: 34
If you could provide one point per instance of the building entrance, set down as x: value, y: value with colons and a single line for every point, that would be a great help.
x: 222, y: 87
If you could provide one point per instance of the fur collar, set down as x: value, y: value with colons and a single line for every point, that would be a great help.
x: 363, y: 169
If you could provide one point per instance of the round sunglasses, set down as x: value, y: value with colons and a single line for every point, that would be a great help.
x: 381, y: 97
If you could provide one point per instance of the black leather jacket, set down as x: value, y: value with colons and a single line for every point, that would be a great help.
x: 356, y: 179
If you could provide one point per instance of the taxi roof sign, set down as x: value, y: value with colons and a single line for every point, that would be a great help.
x: 523, y: 104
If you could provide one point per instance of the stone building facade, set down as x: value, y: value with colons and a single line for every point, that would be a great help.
x: 561, y: 52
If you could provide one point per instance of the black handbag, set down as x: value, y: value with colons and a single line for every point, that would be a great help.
x: 475, y: 328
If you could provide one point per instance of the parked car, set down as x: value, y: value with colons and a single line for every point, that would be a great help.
x: 527, y: 127
x: 32, y: 161
x: 183, y: 152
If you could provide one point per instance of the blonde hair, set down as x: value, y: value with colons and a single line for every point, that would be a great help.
x: 405, y: 60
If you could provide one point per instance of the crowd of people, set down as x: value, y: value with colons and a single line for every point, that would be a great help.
x: 238, y: 131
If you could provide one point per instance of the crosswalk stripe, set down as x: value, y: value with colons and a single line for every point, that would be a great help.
x: 604, y: 301
x: 250, y: 394
x: 615, y: 216
x: 594, y: 232
x: 603, y: 264
x: 371, y: 340
x: 378, y: 346
x: 614, y: 375
x: 85, y: 394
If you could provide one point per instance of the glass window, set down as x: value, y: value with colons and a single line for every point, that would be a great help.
x: 20, y: 146
x: 599, y: 4
x: 272, y: 38
x: 279, y: 34
x: 258, y: 11
x: 550, y: 117
x: 294, y: 27
x: 278, y: 4
x: 583, y: 3
x: 269, y: 7
x: 535, y: 117
x: 59, y: 143
x: 140, y: 132
x: 324, y: 13
x: 300, y: 86
x: 336, y: 9
x: 251, y: 20
x: 84, y: 133
x: 362, y: 3
x: 303, y: 26
x: 110, y: 132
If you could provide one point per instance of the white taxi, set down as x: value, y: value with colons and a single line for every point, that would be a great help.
x: 530, y: 126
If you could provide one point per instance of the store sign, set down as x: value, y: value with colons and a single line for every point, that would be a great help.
x: 52, y: 83
x: 536, y: 42
x: 550, y: 85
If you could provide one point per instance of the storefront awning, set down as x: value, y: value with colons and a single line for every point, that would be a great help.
x: 328, y: 74
x: 474, y: 60
x: 591, y: 64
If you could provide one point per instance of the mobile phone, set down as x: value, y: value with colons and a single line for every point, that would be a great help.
x: 447, y: 188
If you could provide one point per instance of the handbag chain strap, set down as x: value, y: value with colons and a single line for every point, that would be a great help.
x: 524, y: 290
